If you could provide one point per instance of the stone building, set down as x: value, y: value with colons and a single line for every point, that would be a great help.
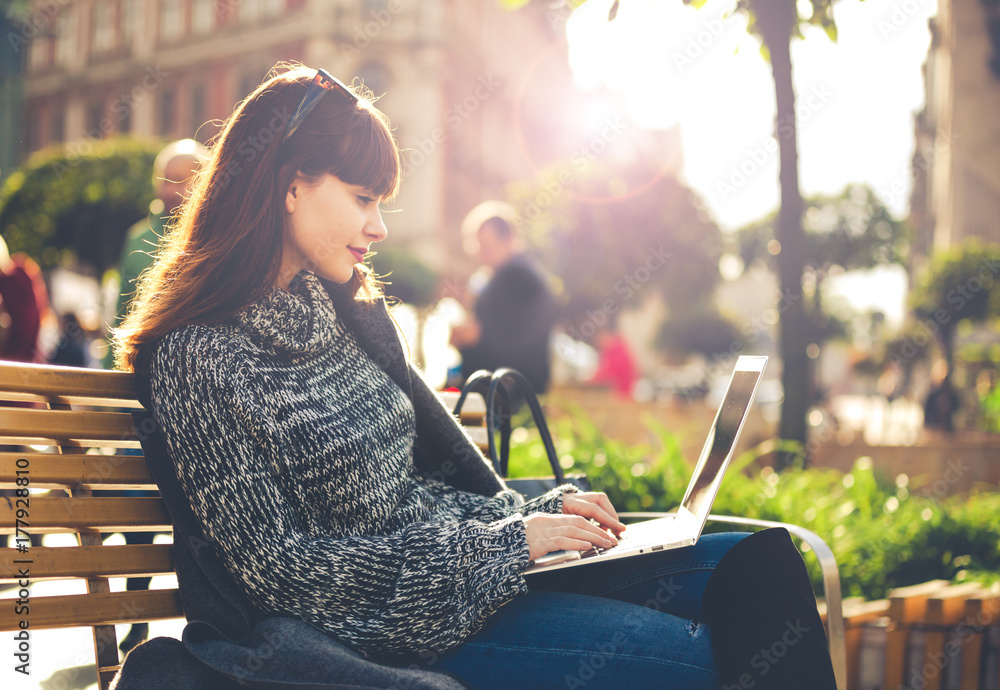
x: 956, y: 164
x: 479, y: 95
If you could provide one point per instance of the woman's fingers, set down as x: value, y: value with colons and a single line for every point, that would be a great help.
x: 546, y: 533
x: 593, y: 506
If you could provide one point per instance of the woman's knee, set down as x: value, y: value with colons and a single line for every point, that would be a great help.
x: 718, y: 544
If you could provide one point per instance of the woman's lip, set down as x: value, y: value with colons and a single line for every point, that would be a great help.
x: 358, y: 254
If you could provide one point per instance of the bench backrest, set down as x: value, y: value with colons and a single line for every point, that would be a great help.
x: 66, y: 434
x: 70, y: 437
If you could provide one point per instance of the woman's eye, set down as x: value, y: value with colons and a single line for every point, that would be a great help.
x: 365, y: 200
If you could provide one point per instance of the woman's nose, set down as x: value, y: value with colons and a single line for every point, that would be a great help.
x: 376, y: 229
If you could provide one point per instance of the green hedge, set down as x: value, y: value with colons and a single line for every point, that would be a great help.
x: 77, y: 201
x: 884, y: 531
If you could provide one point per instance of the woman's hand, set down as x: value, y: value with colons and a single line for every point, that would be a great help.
x: 546, y: 533
x: 575, y: 529
x: 593, y: 505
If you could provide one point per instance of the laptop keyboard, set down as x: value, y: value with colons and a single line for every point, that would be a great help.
x: 623, y: 540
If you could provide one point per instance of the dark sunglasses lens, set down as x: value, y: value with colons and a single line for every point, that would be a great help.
x: 320, y: 84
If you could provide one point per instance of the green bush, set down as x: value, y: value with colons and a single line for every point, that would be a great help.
x: 885, y: 532
x: 77, y: 201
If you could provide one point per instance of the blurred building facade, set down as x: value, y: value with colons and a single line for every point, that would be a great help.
x: 11, y: 96
x: 478, y: 95
x: 956, y: 166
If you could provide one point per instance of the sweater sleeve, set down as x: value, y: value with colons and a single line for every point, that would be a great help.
x: 425, y: 587
x: 501, y: 505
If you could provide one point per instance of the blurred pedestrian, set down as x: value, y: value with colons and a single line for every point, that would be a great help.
x: 943, y: 400
x: 73, y: 348
x: 615, y: 365
x: 514, y: 309
x: 173, y: 172
x: 24, y: 304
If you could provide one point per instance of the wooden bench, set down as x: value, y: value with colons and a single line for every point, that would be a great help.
x: 923, y: 632
x: 78, y: 426
x: 76, y: 430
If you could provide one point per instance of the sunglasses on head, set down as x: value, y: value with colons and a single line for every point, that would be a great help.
x: 321, y: 83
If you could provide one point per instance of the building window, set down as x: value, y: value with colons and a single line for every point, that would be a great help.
x: 171, y: 19
x: 95, y: 111
x: 167, y: 107
x: 58, y: 124
x: 250, y: 10
x: 66, y: 42
x: 203, y: 16
x: 375, y: 76
x: 248, y: 82
x: 38, y: 52
x: 127, y: 15
x: 123, y: 112
x: 104, y: 27
x: 197, y: 107
x: 34, y: 131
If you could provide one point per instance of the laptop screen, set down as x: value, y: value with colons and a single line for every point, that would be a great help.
x: 721, y: 440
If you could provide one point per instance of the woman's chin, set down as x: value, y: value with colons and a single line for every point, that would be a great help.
x: 338, y: 276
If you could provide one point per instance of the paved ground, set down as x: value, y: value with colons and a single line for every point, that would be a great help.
x: 64, y: 659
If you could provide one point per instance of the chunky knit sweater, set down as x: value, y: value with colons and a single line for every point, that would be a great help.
x: 296, y: 452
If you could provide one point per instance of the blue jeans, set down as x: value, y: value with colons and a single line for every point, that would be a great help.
x: 631, y: 623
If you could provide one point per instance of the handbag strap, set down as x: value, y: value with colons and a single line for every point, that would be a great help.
x: 504, y: 376
x: 479, y: 380
x: 494, y: 383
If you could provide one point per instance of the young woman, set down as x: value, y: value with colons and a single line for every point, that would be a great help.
x: 334, y: 486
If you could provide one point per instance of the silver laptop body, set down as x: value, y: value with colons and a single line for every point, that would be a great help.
x: 686, y: 526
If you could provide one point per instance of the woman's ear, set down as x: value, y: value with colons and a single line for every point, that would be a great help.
x: 292, y: 196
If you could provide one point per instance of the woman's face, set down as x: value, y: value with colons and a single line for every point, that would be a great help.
x: 329, y: 227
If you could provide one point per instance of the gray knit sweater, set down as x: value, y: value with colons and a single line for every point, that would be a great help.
x: 296, y: 452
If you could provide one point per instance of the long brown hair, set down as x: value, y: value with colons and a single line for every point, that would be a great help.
x: 224, y: 250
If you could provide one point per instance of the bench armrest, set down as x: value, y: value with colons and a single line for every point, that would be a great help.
x: 828, y: 569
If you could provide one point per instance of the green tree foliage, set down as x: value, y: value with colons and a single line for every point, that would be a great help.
x: 849, y: 231
x: 77, y: 201
x: 703, y: 331
x: 620, y: 233
x: 960, y: 283
x: 406, y: 277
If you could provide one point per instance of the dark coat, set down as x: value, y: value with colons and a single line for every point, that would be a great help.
x: 516, y: 312
x: 227, y: 642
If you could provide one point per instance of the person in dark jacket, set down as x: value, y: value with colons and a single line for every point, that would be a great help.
x: 514, y: 309
x: 328, y: 500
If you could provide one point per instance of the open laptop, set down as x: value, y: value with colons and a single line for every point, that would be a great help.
x: 684, y: 528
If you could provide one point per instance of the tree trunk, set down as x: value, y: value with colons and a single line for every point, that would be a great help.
x: 777, y: 19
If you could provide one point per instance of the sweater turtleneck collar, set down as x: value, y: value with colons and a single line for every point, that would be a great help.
x: 298, y: 321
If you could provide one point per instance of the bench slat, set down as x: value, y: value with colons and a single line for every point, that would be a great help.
x: 110, y: 608
x: 59, y: 382
x: 67, y: 424
x: 87, y: 401
x: 479, y: 437
x: 49, y: 563
x: 473, y: 409
x: 104, y: 514
x: 50, y: 471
